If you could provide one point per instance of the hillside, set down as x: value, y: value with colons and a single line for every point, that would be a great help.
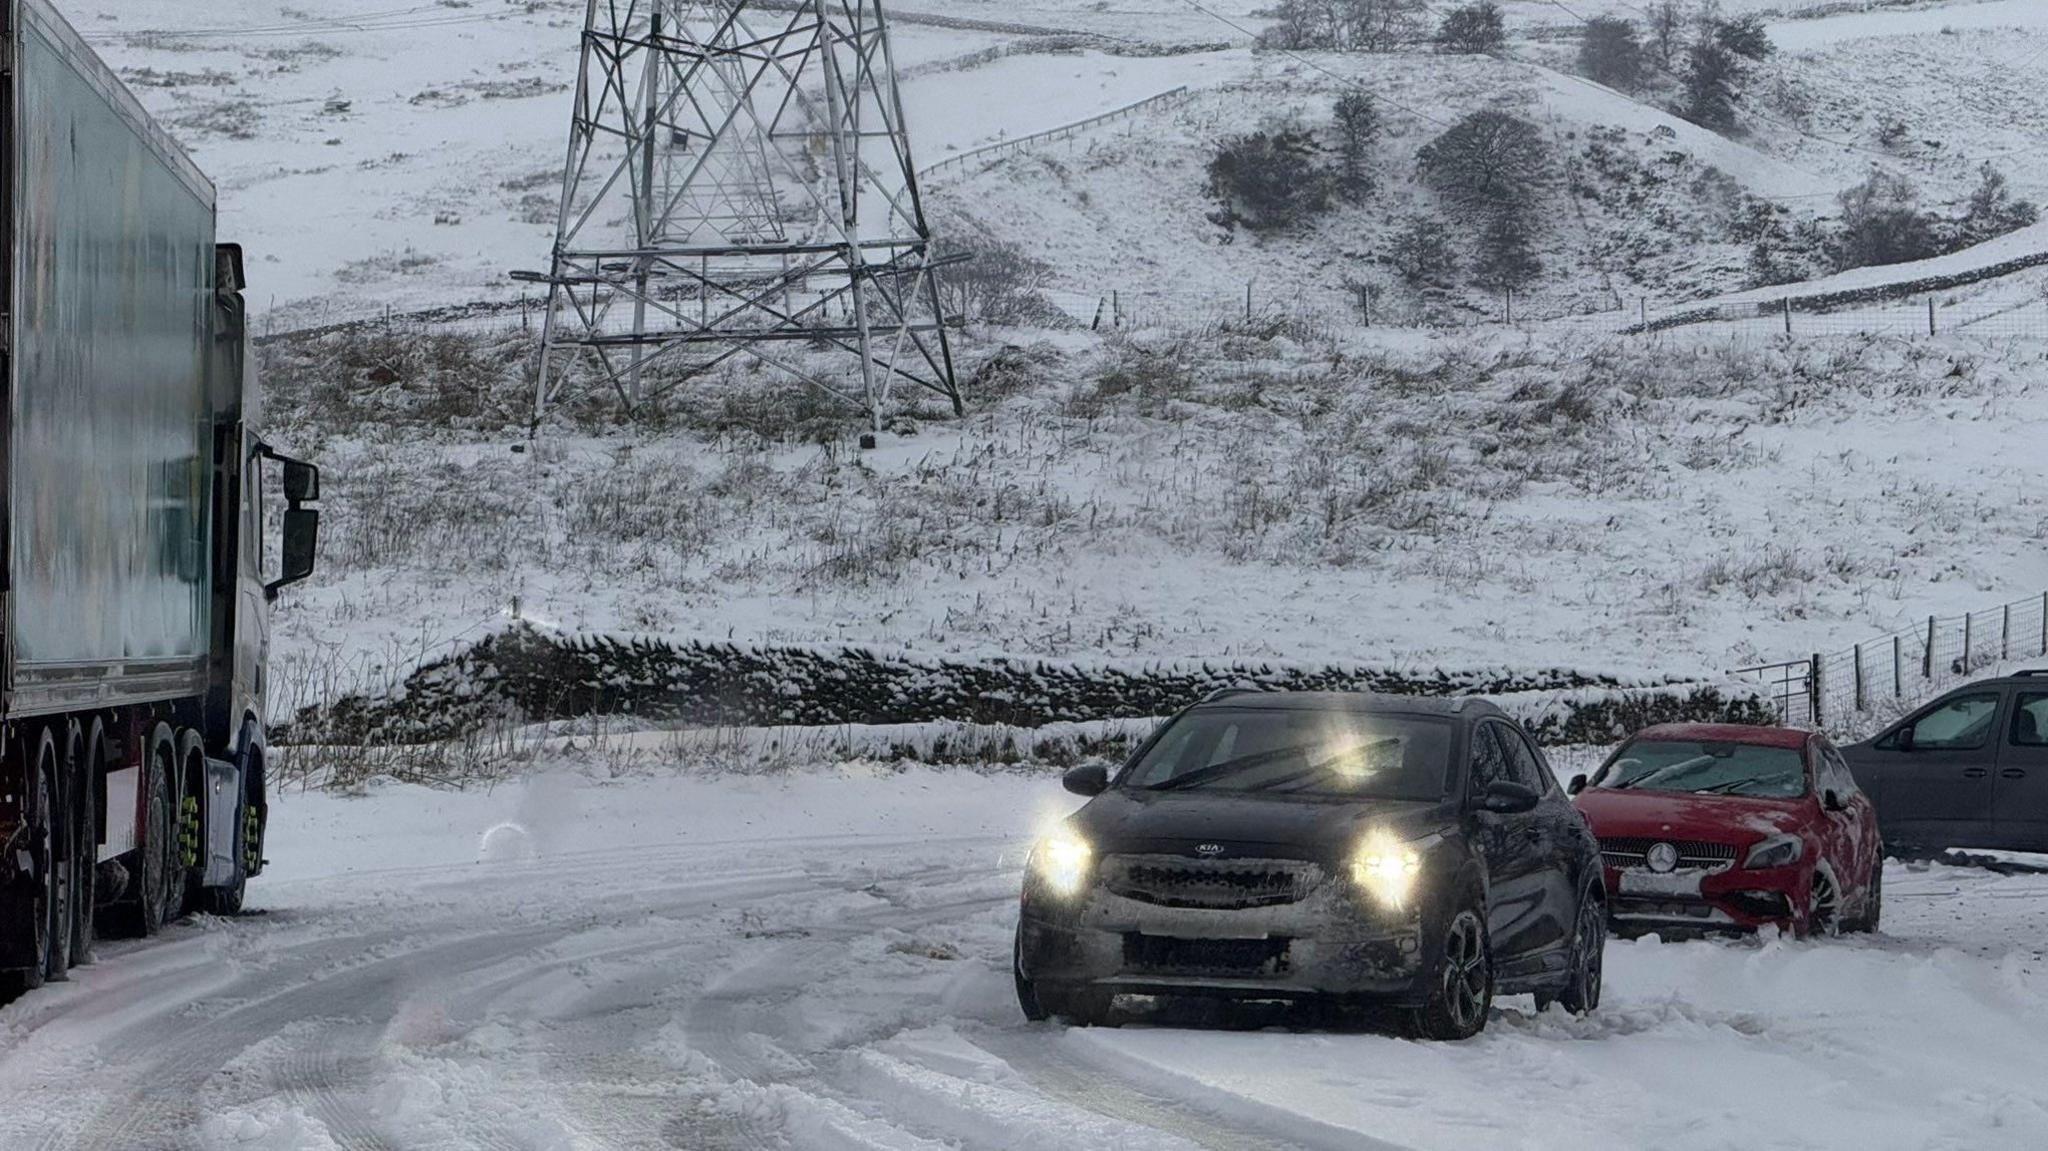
x: 1299, y: 488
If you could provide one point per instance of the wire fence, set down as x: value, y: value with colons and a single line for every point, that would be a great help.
x: 2001, y: 315
x: 1857, y: 690
x: 961, y: 160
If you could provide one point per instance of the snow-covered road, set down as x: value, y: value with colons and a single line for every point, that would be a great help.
x: 819, y: 961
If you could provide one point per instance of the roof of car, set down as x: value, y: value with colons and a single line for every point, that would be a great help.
x: 1461, y: 705
x: 1729, y: 733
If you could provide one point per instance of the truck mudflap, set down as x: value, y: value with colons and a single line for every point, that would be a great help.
x: 224, y: 824
x: 18, y: 890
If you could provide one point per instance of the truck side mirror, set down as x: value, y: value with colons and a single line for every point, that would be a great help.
x: 1577, y: 785
x: 301, y: 541
x: 301, y: 482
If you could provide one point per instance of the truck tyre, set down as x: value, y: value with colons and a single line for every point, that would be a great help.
x: 85, y: 817
x: 190, y: 860
x: 158, y: 887
x: 44, y: 844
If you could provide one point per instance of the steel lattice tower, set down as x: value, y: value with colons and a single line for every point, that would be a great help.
x: 739, y: 182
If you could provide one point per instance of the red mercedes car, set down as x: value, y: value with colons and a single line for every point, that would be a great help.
x: 1723, y: 827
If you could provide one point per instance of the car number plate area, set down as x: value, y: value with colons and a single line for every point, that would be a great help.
x: 1201, y: 927
x: 1634, y: 882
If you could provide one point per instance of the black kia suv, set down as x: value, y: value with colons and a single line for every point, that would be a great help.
x: 1385, y: 850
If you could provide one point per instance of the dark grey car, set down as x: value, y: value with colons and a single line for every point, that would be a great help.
x: 1968, y: 770
x: 1405, y: 852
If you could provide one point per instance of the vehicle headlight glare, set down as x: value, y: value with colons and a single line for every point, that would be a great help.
x: 1061, y: 862
x: 1386, y: 869
x: 1777, y: 851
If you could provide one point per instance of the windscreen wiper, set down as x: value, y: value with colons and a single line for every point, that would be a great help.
x: 1322, y: 766
x: 1202, y: 775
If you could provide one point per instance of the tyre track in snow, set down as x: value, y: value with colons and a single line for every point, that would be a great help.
x: 1105, y: 1089
x: 724, y: 1022
x: 170, y: 1060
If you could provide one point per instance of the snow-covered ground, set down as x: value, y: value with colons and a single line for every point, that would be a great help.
x: 817, y: 960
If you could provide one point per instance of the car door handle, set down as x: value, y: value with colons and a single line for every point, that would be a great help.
x: 1975, y: 773
x: 2012, y: 773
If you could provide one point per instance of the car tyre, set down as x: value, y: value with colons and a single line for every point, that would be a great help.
x: 1823, y: 906
x: 1581, y: 996
x: 1873, y: 903
x: 1027, y: 991
x: 1461, y: 983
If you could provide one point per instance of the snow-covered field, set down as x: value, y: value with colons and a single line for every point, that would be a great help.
x: 817, y: 960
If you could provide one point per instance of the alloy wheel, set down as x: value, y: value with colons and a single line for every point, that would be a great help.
x: 1464, y: 972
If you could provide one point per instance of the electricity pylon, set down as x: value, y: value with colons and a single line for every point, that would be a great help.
x: 739, y: 183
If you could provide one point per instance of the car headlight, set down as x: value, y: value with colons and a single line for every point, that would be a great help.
x: 1777, y: 851
x: 1061, y: 861
x: 1386, y: 868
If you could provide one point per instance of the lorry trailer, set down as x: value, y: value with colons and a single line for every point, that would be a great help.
x: 134, y: 613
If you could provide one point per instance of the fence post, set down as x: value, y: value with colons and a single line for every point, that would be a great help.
x: 1511, y: 307
x: 1814, y: 687
x: 1927, y: 656
x: 2044, y: 623
x: 1969, y: 621
x: 1788, y: 315
x: 1930, y: 315
x: 1116, y: 309
x: 1645, y: 304
x: 1898, y: 689
x: 1247, y: 301
x: 2005, y: 635
x: 1858, y: 656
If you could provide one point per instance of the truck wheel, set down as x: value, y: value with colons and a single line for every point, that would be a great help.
x: 158, y: 885
x: 1460, y: 980
x: 46, y: 905
x: 86, y: 841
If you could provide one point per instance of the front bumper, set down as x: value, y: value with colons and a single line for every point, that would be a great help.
x: 1331, y: 942
x: 1732, y: 900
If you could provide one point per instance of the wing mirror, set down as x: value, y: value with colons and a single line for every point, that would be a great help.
x: 1832, y: 800
x: 1087, y: 779
x: 1508, y: 798
x: 1577, y: 785
x: 1903, y: 738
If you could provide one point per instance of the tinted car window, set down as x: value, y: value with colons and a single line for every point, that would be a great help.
x: 1708, y: 768
x: 1489, y: 760
x: 2030, y: 719
x: 1961, y: 724
x: 1522, y: 761
x: 1839, y: 777
x: 1324, y: 753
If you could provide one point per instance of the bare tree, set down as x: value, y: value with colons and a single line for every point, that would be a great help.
x: 1490, y: 159
x: 1665, y: 21
x: 1422, y: 252
x: 1882, y: 223
x: 1472, y: 29
x: 1993, y: 211
x: 1345, y: 25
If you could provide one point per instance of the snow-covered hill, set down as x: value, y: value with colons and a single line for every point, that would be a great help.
x: 1302, y: 489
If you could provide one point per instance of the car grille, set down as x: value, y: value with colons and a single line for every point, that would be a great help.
x: 1242, y: 958
x: 1693, y: 854
x: 1177, y: 881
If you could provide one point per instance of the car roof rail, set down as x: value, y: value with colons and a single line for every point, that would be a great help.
x: 2029, y: 672
x: 1227, y: 692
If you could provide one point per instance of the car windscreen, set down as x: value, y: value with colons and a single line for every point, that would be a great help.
x: 1298, y: 752
x: 1707, y: 768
